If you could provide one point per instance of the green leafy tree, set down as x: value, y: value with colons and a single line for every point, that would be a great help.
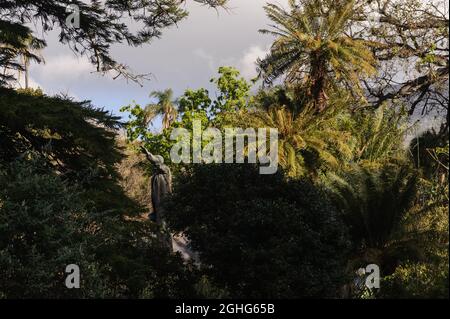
x: 77, y: 143
x: 77, y: 139
x: 234, y: 91
x: 425, y: 276
x: 233, y: 95
x: 46, y: 224
x: 259, y: 236
x: 417, y: 280
x: 41, y: 220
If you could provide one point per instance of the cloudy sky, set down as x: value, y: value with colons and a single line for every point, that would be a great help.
x: 185, y: 57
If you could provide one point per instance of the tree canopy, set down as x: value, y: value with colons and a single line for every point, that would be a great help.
x: 358, y: 184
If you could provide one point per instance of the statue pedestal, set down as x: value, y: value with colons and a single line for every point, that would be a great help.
x: 181, y: 244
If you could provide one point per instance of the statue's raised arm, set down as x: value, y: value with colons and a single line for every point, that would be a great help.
x: 154, y: 159
x: 158, y: 162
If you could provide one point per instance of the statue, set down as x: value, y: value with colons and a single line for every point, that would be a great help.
x: 161, y: 186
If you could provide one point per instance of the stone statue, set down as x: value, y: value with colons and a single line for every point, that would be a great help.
x: 161, y: 186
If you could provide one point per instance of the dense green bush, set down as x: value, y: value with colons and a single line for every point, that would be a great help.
x: 45, y: 225
x: 417, y: 280
x: 41, y: 231
x: 259, y: 235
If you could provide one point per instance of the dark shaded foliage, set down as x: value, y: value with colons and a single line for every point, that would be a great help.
x: 45, y: 225
x: 77, y: 139
x: 260, y: 235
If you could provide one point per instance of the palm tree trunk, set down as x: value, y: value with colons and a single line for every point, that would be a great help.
x: 166, y: 121
x: 319, y: 77
x: 26, y: 67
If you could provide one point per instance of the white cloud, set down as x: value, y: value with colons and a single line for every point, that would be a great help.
x: 247, y: 63
x: 60, y: 74
x: 207, y: 57
x: 62, y: 67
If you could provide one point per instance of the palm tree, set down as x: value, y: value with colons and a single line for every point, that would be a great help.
x: 391, y: 219
x: 165, y: 107
x: 312, y: 49
x: 375, y: 197
x: 305, y: 142
x: 31, y: 50
x: 378, y: 203
x: 378, y: 133
x: 24, y: 46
